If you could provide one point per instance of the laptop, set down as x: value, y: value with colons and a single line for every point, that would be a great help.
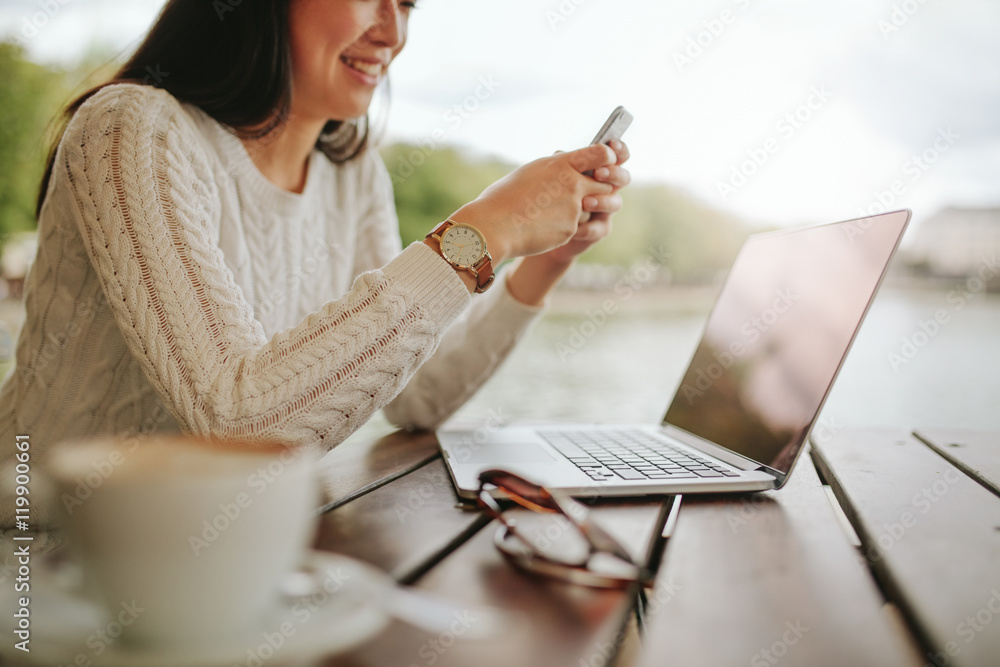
x: 773, y: 344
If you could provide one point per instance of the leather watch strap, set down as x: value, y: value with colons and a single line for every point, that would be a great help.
x: 481, y: 270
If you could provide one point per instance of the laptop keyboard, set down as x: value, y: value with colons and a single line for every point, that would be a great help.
x: 609, y: 455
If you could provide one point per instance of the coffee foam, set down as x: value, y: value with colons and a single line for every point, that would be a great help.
x: 152, y: 457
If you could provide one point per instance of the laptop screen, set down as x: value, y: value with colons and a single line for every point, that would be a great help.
x: 779, y: 333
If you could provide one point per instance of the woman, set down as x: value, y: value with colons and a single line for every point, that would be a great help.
x: 219, y: 253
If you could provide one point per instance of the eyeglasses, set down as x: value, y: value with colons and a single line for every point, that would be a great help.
x: 558, y: 539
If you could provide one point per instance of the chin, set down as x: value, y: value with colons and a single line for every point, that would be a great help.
x: 356, y: 109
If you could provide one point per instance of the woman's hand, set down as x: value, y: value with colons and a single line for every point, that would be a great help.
x: 540, y: 205
x: 535, y: 276
x: 601, y: 208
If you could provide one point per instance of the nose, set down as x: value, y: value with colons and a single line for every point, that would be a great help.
x: 390, y: 27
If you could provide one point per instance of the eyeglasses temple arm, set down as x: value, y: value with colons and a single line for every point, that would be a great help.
x: 597, y: 537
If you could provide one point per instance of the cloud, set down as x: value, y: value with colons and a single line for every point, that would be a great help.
x: 941, y: 67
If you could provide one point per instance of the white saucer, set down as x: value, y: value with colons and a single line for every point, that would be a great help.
x: 340, y: 612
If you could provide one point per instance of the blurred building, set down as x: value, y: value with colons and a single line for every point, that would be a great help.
x: 15, y: 261
x: 958, y: 242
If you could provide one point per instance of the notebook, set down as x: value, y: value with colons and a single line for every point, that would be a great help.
x: 774, y: 341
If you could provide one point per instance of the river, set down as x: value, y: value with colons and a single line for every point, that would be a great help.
x: 922, y: 358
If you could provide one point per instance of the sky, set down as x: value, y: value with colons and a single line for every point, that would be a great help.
x: 783, y: 112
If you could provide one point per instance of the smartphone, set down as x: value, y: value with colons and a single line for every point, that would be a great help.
x: 614, y: 127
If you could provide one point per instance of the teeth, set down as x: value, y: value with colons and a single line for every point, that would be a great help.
x: 371, y: 69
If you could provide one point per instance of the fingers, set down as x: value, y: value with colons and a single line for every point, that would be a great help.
x: 609, y: 203
x: 617, y: 177
x: 591, y: 157
x: 598, y: 227
x: 621, y: 150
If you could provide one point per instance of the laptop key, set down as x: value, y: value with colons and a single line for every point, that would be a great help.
x: 630, y: 474
x: 632, y: 456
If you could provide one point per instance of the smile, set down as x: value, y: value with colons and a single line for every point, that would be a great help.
x: 374, y: 69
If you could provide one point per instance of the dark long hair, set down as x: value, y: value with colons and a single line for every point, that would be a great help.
x: 233, y: 60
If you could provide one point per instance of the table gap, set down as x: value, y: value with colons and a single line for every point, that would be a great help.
x: 368, y: 488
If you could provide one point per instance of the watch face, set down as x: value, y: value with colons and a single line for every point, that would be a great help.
x: 463, y: 245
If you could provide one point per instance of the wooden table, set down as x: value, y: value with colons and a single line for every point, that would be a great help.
x: 760, y: 579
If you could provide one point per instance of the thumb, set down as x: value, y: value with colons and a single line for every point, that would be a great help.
x: 591, y: 157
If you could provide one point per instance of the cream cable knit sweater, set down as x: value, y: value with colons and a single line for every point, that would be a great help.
x: 176, y: 288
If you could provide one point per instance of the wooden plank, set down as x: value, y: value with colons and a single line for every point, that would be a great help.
x: 404, y: 526
x: 356, y: 467
x: 552, y: 624
x: 975, y: 453
x: 931, y: 534
x: 765, y: 579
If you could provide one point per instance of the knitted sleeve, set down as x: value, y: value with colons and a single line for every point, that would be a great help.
x: 471, y: 350
x: 146, y: 207
x: 469, y: 354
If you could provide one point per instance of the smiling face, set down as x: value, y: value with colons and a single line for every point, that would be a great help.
x: 341, y: 49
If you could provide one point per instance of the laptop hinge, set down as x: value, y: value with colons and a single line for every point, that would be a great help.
x: 712, y: 449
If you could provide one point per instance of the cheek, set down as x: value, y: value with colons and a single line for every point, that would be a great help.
x: 315, y: 60
x: 319, y: 32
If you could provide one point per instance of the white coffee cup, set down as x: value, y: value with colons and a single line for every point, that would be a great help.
x: 184, y: 539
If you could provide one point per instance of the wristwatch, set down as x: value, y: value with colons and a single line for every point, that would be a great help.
x: 464, y: 247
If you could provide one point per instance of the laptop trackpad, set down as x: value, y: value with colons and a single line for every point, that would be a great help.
x: 498, y: 453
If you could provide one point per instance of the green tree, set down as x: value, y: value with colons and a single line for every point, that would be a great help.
x: 430, y: 184
x: 701, y: 241
x: 29, y: 95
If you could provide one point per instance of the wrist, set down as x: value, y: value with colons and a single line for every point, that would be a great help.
x: 554, y: 261
x: 531, y: 280
x: 496, y: 242
x: 464, y: 276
